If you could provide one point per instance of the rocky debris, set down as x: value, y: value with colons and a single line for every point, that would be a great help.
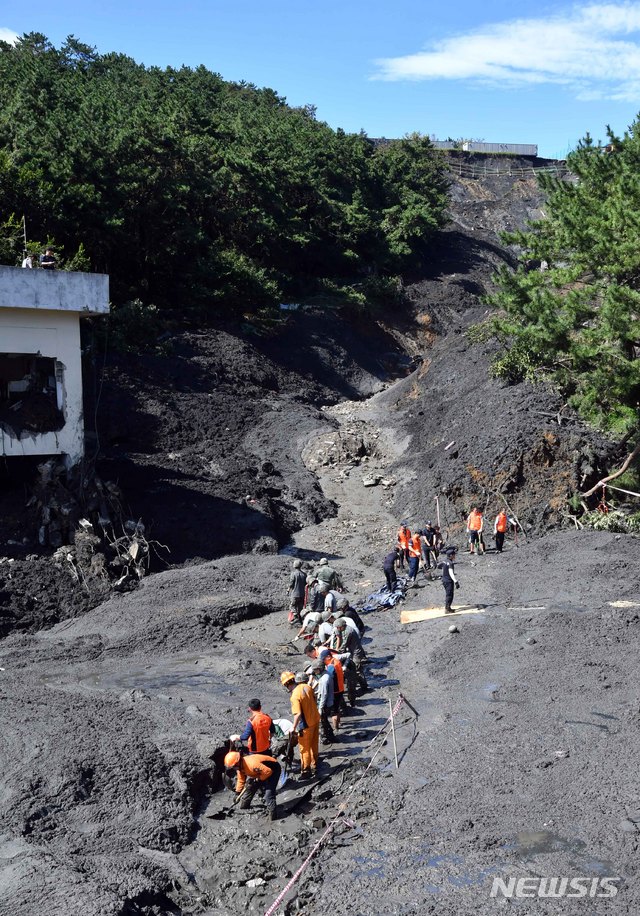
x: 35, y: 412
x: 343, y: 446
x: 61, y: 498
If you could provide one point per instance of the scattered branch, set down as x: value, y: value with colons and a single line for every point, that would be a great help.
x: 615, y: 474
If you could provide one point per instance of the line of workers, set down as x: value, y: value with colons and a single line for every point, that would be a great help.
x: 335, y: 658
x: 333, y: 673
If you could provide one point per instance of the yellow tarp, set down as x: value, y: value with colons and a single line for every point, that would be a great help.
x: 432, y: 613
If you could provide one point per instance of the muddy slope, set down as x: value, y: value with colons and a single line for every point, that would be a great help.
x: 474, y: 439
x: 206, y: 441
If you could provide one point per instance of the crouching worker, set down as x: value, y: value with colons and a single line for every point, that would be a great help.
x: 255, y: 771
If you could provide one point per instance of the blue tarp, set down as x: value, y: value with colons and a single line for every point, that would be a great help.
x: 383, y: 598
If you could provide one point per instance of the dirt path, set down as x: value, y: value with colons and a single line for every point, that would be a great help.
x: 518, y: 766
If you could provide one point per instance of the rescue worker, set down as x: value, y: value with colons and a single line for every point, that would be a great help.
x: 306, y: 721
x: 309, y: 625
x: 325, y: 630
x: 335, y: 635
x: 389, y: 567
x: 322, y: 684
x: 438, y: 540
x: 252, y: 771
x: 258, y: 730
x: 500, y: 529
x: 475, y: 524
x: 314, y: 598
x: 414, y: 551
x: 297, y: 590
x: 346, y: 639
x: 449, y: 578
x: 403, y: 543
x: 331, y: 600
x: 333, y: 663
x: 327, y: 576
x: 429, y: 551
x: 344, y: 609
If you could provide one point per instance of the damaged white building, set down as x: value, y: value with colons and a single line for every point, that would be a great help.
x: 40, y: 359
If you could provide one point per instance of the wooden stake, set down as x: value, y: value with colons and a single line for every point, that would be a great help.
x: 393, y: 733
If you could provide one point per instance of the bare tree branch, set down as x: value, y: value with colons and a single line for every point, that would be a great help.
x: 615, y: 474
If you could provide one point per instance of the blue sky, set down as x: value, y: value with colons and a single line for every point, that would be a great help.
x: 542, y: 73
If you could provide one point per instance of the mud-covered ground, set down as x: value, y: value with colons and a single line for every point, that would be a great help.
x: 520, y: 763
x: 522, y: 759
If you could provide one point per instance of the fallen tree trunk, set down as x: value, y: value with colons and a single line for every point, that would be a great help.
x: 617, y: 473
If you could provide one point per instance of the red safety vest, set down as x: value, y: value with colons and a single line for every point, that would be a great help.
x: 337, y: 664
x: 475, y: 521
x: 501, y: 522
x: 260, y: 741
x: 403, y: 537
x: 415, y: 546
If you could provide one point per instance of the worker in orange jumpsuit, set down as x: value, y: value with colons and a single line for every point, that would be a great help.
x: 475, y: 523
x: 404, y: 535
x: 252, y: 770
x: 306, y: 721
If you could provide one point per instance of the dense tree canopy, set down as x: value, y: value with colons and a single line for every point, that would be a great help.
x: 194, y: 191
x: 579, y: 320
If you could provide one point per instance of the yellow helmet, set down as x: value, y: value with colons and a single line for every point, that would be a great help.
x: 286, y: 677
x: 232, y: 759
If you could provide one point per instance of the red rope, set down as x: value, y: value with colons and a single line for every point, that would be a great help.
x: 283, y: 893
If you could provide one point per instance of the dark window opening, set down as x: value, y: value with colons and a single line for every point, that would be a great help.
x: 30, y: 394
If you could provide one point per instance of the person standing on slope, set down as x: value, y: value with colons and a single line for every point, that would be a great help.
x: 327, y: 577
x: 297, y: 589
x: 404, y: 535
x: 389, y: 567
x: 306, y: 721
x: 475, y: 524
x: 500, y: 529
x: 449, y: 579
x: 415, y: 552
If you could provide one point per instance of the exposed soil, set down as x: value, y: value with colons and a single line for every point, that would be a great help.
x: 521, y: 760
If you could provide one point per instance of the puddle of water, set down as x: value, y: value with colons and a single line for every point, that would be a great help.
x: 373, y: 866
x: 454, y: 869
x: 160, y: 682
x: 531, y: 843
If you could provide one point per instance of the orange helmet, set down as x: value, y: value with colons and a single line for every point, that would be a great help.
x: 232, y: 759
x: 286, y: 677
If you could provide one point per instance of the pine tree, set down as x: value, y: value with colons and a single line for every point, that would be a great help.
x: 578, y: 322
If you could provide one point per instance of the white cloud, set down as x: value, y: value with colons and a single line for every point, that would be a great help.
x: 8, y: 35
x: 592, y: 50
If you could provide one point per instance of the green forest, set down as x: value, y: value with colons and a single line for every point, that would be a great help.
x: 576, y: 323
x: 192, y: 192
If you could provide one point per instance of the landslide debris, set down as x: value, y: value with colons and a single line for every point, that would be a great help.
x: 109, y: 719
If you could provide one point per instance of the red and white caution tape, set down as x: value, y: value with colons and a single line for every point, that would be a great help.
x: 283, y: 893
